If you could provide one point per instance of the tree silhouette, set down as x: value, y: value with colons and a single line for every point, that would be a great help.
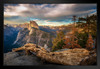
x: 88, y: 23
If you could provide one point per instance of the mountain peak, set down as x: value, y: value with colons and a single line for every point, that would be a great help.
x: 33, y: 24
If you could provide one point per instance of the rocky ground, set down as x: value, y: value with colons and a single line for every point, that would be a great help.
x: 20, y: 59
x: 30, y: 54
x: 15, y: 58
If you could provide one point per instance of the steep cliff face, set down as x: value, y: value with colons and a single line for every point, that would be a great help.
x: 35, y: 36
x: 33, y: 24
x: 22, y: 37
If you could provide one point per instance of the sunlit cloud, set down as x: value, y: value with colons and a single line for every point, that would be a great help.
x: 46, y: 13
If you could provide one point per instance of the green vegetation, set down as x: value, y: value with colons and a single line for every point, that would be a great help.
x: 87, y: 25
x: 58, y: 41
x: 59, y: 45
x: 82, y: 39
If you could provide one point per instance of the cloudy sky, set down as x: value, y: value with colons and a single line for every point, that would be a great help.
x: 46, y: 14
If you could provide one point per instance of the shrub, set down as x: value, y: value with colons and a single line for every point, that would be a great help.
x: 59, y: 45
x: 58, y: 41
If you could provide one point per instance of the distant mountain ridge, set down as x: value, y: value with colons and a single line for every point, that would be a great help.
x: 10, y: 34
x: 27, y: 25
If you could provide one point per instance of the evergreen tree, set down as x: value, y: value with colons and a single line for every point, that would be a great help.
x: 59, y: 38
x: 89, y: 26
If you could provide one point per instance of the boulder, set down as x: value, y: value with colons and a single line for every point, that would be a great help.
x: 75, y: 56
x: 90, y: 59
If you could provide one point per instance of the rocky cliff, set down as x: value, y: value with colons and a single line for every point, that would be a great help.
x: 34, y: 55
x: 33, y: 24
x: 35, y: 36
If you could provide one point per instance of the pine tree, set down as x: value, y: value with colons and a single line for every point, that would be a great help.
x: 89, y: 25
x: 58, y: 39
